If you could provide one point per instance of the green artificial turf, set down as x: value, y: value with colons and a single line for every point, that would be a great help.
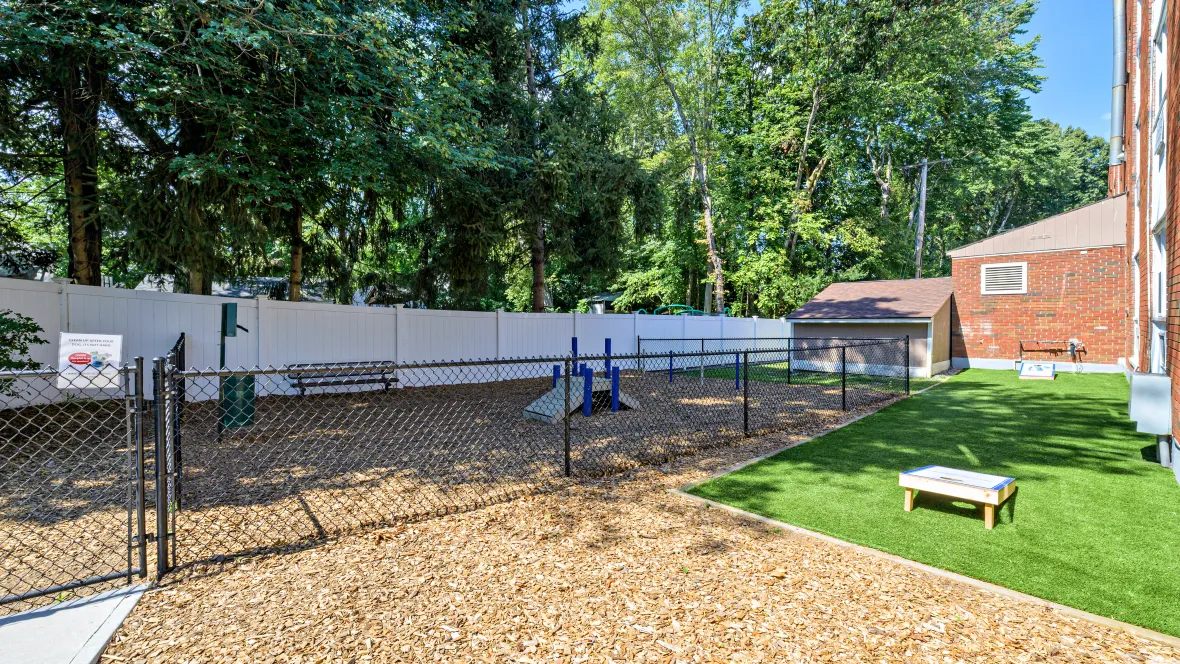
x: 1094, y: 524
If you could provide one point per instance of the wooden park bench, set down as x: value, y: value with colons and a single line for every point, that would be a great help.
x: 350, y: 373
x: 989, y: 490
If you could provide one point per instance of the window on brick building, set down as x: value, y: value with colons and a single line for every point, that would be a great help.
x: 1004, y: 279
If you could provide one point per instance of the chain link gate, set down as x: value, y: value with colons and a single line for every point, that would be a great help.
x: 72, y: 485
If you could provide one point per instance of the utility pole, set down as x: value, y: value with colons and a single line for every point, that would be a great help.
x: 920, y: 237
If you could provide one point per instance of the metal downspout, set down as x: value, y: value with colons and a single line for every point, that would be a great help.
x: 1119, y: 90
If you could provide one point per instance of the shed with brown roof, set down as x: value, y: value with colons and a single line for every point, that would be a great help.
x: 917, y: 308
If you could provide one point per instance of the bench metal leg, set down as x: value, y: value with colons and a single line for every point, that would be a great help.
x: 909, y: 500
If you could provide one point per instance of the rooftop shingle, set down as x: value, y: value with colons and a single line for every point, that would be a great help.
x: 897, y: 298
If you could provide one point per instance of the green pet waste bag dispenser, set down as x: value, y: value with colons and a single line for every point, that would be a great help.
x: 237, y: 392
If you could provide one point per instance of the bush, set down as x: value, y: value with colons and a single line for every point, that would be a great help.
x: 17, y: 334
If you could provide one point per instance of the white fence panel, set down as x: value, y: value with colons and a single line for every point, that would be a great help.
x: 706, y: 327
x: 445, y: 336
x: 41, y: 302
x: 283, y: 333
x: 295, y: 333
x: 739, y: 328
x: 535, y: 335
x: 770, y: 328
x: 660, y: 327
x: 595, y: 329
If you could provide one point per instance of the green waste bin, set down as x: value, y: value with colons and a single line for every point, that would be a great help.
x: 237, y: 401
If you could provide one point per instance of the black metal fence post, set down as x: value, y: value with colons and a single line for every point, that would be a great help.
x: 789, y: 347
x: 566, y: 417
x: 907, y: 364
x: 843, y: 377
x: 745, y: 393
x: 140, y: 472
x: 639, y: 352
x: 178, y: 361
x: 161, y: 452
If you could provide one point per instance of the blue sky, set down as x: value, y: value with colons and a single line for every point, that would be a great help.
x: 1075, y: 50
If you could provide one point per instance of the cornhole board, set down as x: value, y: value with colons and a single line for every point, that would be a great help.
x: 989, y: 490
x: 1037, y: 370
x: 549, y: 407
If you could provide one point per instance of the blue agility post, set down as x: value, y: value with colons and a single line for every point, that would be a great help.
x: 556, y: 374
x: 587, y: 390
x: 606, y: 371
x: 574, y: 342
x: 737, y: 371
x: 669, y: 366
x: 614, y: 390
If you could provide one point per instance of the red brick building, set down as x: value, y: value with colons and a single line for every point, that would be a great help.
x: 1098, y: 289
x: 1049, y: 291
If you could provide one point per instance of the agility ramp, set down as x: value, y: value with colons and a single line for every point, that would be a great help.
x: 549, y: 407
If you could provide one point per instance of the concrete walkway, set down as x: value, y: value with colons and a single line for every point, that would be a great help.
x: 73, y: 632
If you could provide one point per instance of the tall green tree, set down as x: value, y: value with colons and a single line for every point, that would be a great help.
x: 672, y: 52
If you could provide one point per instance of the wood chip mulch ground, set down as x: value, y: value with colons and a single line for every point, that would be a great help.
x: 616, y: 570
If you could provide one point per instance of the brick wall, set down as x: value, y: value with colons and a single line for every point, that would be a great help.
x: 1173, y: 213
x: 1142, y: 154
x: 1071, y: 294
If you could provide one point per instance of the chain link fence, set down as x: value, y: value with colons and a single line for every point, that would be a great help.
x: 265, y: 459
x: 662, y: 346
x: 71, y: 488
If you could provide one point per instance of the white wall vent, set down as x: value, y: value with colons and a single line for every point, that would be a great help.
x: 1004, y: 279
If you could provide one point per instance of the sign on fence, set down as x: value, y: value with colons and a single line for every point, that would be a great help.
x: 89, y: 361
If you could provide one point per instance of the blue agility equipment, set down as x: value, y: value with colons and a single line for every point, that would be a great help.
x: 587, y: 390
x: 606, y: 373
x: 556, y: 374
x: 614, y: 390
x: 737, y: 371
x: 669, y: 367
x: 575, y: 345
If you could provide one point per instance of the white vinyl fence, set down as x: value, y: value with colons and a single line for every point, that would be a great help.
x: 282, y: 333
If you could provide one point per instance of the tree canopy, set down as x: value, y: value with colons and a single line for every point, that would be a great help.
x: 521, y: 154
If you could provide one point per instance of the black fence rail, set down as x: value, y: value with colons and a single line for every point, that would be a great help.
x: 662, y: 346
x: 71, y: 483
x: 256, y: 460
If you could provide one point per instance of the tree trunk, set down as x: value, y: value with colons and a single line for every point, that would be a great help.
x: 701, y: 172
x: 199, y: 257
x: 919, y: 240
x: 537, y: 246
x: 77, y: 102
x: 793, y: 238
x: 538, y: 263
x: 295, y: 227
x: 711, y: 240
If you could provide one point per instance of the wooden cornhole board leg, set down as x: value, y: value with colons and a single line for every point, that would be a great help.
x: 909, y: 500
x: 989, y: 516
